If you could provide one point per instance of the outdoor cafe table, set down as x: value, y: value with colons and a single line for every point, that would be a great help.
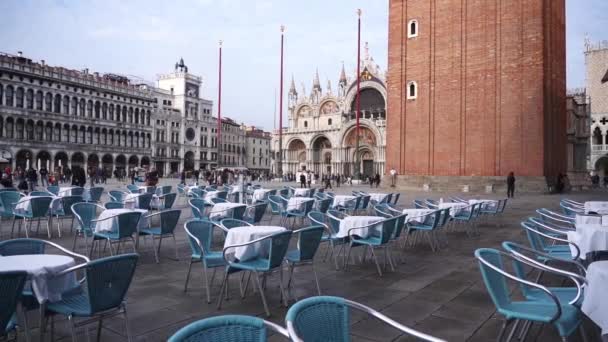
x: 25, y: 204
x: 597, y: 207
x: 377, y: 197
x: 111, y: 225
x: 259, y: 194
x: 301, y: 192
x: 297, y: 203
x: 241, y: 235
x: 416, y: 215
x: 132, y: 201
x: 341, y: 200
x: 41, y: 269
x: 595, y: 303
x: 351, y: 222
x: 591, y: 234
x: 485, y: 202
x: 455, y: 207
x: 211, y: 194
x: 221, y: 210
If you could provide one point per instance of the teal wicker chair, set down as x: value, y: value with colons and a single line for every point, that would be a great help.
x: 65, y: 211
x: 565, y: 317
x: 278, y: 244
x: 125, y: 230
x: 309, y: 239
x: 168, y: 222
x: 328, y: 318
x: 77, y: 191
x: 117, y: 196
x: 8, y: 200
x: 114, y: 205
x: 168, y: 200
x: 200, y: 208
x: 103, y: 293
x: 85, y: 213
x: 200, y: 238
x: 38, y: 210
x: 229, y: 223
x: 95, y: 194
x: 229, y: 328
x: 53, y: 189
x: 11, y: 285
x: 375, y: 240
x: 255, y: 213
x: 324, y: 204
x: 144, y: 200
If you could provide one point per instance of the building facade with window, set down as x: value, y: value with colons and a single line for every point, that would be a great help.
x: 56, y: 117
x: 321, y: 133
x: 596, y: 63
x: 257, y: 150
x: 232, y: 138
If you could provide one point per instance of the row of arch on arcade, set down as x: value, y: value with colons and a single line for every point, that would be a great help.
x: 108, y: 162
x: 56, y: 132
x: 63, y: 104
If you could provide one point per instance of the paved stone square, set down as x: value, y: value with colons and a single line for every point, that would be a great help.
x: 438, y: 293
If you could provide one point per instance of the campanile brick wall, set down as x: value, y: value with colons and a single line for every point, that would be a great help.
x: 491, y: 88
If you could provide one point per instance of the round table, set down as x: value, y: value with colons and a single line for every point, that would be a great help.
x: 416, y: 215
x: 111, y: 224
x: 351, y: 222
x: 297, y: 203
x: 589, y: 238
x: 340, y: 200
x: 223, y: 210
x: 241, y: 235
x: 595, y: 303
x: 41, y: 269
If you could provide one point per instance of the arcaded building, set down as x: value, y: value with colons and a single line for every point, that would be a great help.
x: 477, y: 88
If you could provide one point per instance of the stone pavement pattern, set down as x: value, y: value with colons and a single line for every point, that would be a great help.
x: 438, y: 293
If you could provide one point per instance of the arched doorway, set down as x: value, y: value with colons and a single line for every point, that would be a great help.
x: 189, y: 161
x: 107, y: 162
x: 296, y: 156
x: 366, y: 153
x: 372, y: 104
x: 77, y: 159
x: 133, y: 161
x: 145, y: 162
x: 601, y: 166
x: 93, y: 161
x: 321, y: 155
x: 121, y: 164
x: 61, y: 160
x: 43, y: 159
x: 24, y: 159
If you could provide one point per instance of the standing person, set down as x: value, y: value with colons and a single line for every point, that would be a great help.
x: 32, y: 178
x: 393, y: 173
x: 79, y: 177
x: 302, y: 180
x: 338, y: 180
x: 44, y: 176
x: 68, y: 175
x: 511, y: 185
x: 153, y: 177
x: 92, y: 176
x: 559, y: 187
x: 309, y: 178
x: 328, y: 182
x: 182, y: 177
x: 132, y: 176
x: 377, y: 180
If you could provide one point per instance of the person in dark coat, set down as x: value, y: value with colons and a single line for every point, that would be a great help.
x: 302, y: 180
x: 377, y: 180
x: 510, y: 185
x: 79, y: 178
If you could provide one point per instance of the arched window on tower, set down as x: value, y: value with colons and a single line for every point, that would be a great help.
x: 412, y: 28
x: 329, y: 122
x: 412, y: 90
x: 305, y: 124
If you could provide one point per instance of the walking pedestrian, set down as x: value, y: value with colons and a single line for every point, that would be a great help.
x: 511, y: 185
x: 393, y: 173
x: 377, y: 180
x: 44, y: 176
x: 302, y: 180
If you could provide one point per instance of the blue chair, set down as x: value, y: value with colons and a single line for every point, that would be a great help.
x: 323, y: 204
x: 77, y: 191
x: 229, y: 223
x: 8, y: 200
x: 117, y: 196
x: 420, y: 204
x: 255, y: 213
x: 102, y: 295
x: 200, y: 208
x: 65, y: 211
x: 228, y: 328
x: 144, y: 201
x: 375, y: 240
x: 428, y: 227
x: 326, y: 318
x: 114, y: 205
x: 12, y: 284
x: 168, y: 200
x: 40, y: 194
x: 216, y: 200
x: 278, y: 244
x: 539, y: 232
x: 85, y: 213
x: 396, y: 198
x: 200, y: 239
x: 465, y: 217
x: 167, y: 224
x: 53, y: 189
x: 549, y: 216
x: 299, y: 212
x: 126, y: 227
x: 222, y: 194
x: 276, y: 206
x: 284, y: 192
x: 95, y: 194
x: 565, y: 317
x: 197, y: 193
x: 363, y: 204
x: 37, y: 210
x: 134, y: 189
x: 309, y: 239
x: 165, y: 189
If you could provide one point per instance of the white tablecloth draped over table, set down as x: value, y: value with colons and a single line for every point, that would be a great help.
x: 341, y: 200
x: 455, y: 207
x: 259, y: 194
x: 351, y: 222
x: 377, y: 197
x: 210, y: 194
x: 597, y: 207
x: 112, y: 224
x: 298, y: 203
x: 595, y: 304
x: 223, y: 210
x: 416, y: 215
x: 301, y: 192
x: 240, y: 235
x: 24, y: 204
x: 485, y: 202
x: 40, y: 269
x: 589, y: 238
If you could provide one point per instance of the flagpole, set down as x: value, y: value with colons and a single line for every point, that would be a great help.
x: 358, y: 95
x: 280, y: 155
x: 219, y: 109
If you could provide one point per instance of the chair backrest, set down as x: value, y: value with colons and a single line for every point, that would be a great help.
x: 127, y: 223
x: 495, y: 282
x: 108, y: 280
x: 221, y: 194
x: 117, y: 196
x: 238, y: 212
x: 230, y: 223
x: 309, y: 240
x: 198, y: 206
x: 11, y: 284
x: 334, y: 222
x: 150, y: 189
x: 144, y: 200
x: 54, y: 189
x: 22, y: 247
x: 433, y: 219
x: 201, y: 230
x: 114, y: 205
x: 444, y: 216
x: 308, y: 206
x: 317, y: 218
x: 396, y: 197
x: 196, y: 192
x: 389, y: 198
x: 324, y: 204
x: 276, y: 205
x: 420, y: 204
x: 364, y: 202
x: 284, y: 192
x: 272, y: 192
x: 68, y: 201
x: 216, y: 200
x: 95, y: 193
x: 180, y: 189
x: 536, y: 241
x: 259, y: 211
x: 9, y: 199
x: 39, y: 193
x: 168, y: 220
x: 77, y: 191
x: 134, y: 189
x: 85, y: 213
x: 279, y: 243
x: 312, y: 191
x: 40, y: 206
x: 169, y: 200
x: 228, y: 328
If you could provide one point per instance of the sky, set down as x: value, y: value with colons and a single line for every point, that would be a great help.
x: 144, y: 38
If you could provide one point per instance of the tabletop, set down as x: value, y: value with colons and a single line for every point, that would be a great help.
x: 589, y: 238
x: 416, y: 215
x: 41, y: 269
x: 599, y: 207
x: 351, y: 222
x: 111, y: 224
x: 297, y: 203
x: 221, y: 210
x: 25, y: 204
x: 595, y: 303
x: 301, y: 192
x: 455, y: 207
x: 377, y: 197
x: 240, y: 235
x: 259, y: 194
x: 342, y: 199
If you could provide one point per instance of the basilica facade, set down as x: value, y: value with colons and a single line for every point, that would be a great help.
x: 321, y: 135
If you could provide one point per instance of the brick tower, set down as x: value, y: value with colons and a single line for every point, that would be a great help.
x: 477, y: 88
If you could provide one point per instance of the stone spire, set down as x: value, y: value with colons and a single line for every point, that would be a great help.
x: 343, y: 80
x: 328, y: 86
x: 292, y: 88
x: 292, y: 96
x: 316, y: 83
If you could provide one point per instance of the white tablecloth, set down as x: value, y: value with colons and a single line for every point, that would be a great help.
x: 259, y: 194
x: 377, y: 197
x: 66, y: 190
x: 589, y: 238
x: 211, y: 194
x: 301, y: 192
x: 416, y: 215
x: 236, y: 189
x: 595, y: 304
x: 486, y: 202
x: 341, y: 200
x: 589, y: 219
x: 40, y: 269
x: 297, y: 203
x: 222, y: 210
x: 111, y: 224
x: 350, y: 222
x: 240, y: 235
x: 597, y: 207
x: 25, y: 205
x: 455, y: 207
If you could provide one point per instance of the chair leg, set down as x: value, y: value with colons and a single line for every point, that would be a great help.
x: 376, y: 261
x: 347, y: 259
x: 188, y: 275
x: 72, y: 328
x: 154, y: 249
x: 175, y: 246
x: 513, y: 330
x: 207, y: 288
x: 257, y: 278
x: 314, y: 271
x: 505, y: 324
x: 221, y: 296
x: 99, y: 324
x: 127, y: 325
